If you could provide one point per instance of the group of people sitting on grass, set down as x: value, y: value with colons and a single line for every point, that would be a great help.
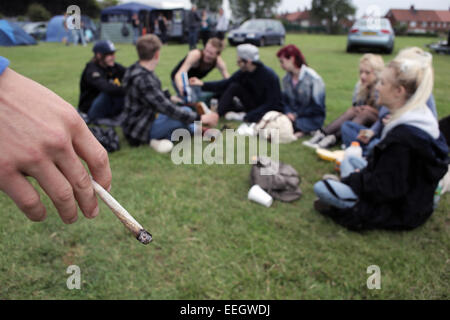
x: 393, y: 115
x: 108, y: 90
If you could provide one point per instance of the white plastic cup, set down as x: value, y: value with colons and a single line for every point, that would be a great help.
x: 258, y: 195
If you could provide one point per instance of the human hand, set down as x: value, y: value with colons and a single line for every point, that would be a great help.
x: 365, y: 135
x: 210, y: 119
x: 291, y: 116
x: 176, y: 99
x: 386, y: 119
x: 194, y: 81
x: 42, y: 136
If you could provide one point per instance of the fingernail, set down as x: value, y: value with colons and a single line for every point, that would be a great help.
x: 109, y: 188
x: 73, y: 220
x: 95, y: 212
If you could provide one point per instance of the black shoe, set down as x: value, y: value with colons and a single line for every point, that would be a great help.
x: 322, y: 207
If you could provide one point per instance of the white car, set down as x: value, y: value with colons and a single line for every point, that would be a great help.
x: 371, y: 33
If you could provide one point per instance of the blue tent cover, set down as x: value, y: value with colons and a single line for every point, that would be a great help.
x: 12, y: 35
x: 55, y: 29
x: 125, y: 9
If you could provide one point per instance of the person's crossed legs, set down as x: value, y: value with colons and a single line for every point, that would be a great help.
x: 226, y: 99
x: 335, y: 194
x: 163, y: 126
x: 105, y: 106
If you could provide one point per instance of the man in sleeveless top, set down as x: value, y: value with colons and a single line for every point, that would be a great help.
x: 199, y: 63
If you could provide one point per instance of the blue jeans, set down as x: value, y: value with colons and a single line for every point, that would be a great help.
x: 135, y: 35
x: 193, y: 38
x: 78, y: 34
x: 163, y: 126
x: 345, y: 199
x: 349, y: 132
x: 350, y: 164
x: 105, y: 106
x: 308, y: 124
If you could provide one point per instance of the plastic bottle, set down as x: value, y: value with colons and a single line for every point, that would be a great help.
x: 437, y: 195
x: 354, y: 150
x: 187, y: 90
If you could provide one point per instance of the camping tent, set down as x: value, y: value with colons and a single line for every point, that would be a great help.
x: 56, y: 31
x: 123, y: 12
x: 12, y: 35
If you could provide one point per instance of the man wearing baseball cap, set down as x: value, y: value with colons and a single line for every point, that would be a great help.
x: 250, y: 92
x: 101, y: 93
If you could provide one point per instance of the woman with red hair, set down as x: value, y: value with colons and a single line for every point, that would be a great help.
x: 303, y: 92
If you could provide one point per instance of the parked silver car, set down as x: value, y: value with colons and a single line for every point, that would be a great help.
x: 37, y: 30
x: 371, y: 33
x: 259, y: 32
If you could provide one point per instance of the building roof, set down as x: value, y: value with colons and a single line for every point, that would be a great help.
x: 295, y: 16
x: 444, y: 15
x: 419, y: 15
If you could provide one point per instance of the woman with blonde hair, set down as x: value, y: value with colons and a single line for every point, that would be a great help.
x: 369, y: 136
x: 395, y: 190
x: 364, y: 109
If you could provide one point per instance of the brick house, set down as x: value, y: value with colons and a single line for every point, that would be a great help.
x: 302, y: 18
x: 420, y: 21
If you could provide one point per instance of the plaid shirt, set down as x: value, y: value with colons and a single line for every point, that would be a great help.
x: 144, y: 99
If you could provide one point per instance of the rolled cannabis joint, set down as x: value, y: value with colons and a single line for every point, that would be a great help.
x: 139, y: 232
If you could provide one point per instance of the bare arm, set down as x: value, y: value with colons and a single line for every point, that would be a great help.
x: 221, y: 65
x: 191, y: 59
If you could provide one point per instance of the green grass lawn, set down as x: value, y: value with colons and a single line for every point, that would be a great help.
x: 210, y: 242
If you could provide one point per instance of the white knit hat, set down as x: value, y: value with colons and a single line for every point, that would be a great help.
x: 248, y: 52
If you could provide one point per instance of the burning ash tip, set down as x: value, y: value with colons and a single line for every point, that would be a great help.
x: 144, y: 237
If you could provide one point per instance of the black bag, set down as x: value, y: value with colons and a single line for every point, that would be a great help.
x: 107, y: 137
x: 282, y: 183
x: 125, y: 32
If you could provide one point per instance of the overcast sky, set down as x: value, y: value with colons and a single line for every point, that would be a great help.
x: 362, y: 5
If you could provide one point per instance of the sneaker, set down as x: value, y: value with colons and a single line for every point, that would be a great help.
x: 328, y: 141
x: 312, y: 143
x: 161, y: 146
x: 236, y: 116
x: 246, y: 129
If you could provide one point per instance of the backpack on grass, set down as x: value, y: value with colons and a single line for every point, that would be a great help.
x: 107, y: 137
x: 282, y: 182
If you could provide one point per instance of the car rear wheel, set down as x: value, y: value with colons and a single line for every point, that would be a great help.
x: 349, y: 48
x: 231, y: 43
x: 262, y: 42
x: 389, y: 50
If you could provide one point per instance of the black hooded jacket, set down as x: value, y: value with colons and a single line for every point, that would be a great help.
x: 96, y: 79
x: 396, y: 189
